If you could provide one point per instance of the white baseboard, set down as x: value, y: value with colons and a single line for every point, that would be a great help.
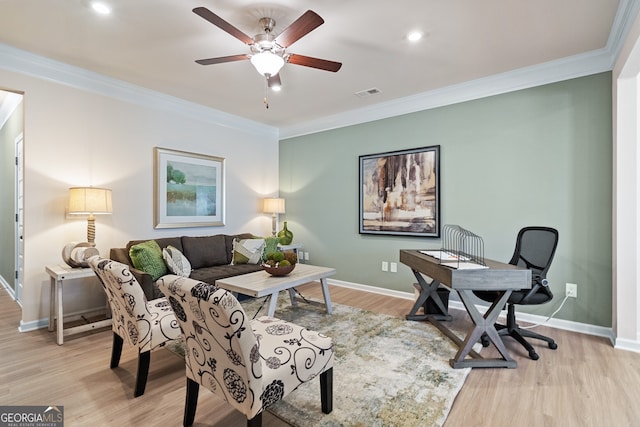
x: 33, y: 325
x: 8, y: 287
x: 454, y: 303
x: 44, y: 323
x: 629, y: 345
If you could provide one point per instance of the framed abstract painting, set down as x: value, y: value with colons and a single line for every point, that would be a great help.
x: 189, y: 189
x: 400, y: 192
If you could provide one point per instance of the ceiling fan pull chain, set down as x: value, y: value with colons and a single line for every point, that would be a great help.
x: 266, y: 93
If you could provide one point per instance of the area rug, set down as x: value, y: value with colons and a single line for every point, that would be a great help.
x: 387, y: 371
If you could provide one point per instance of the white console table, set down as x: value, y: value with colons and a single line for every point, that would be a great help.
x: 295, y: 247
x: 59, y: 274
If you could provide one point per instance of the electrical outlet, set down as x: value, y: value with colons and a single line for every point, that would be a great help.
x: 394, y: 267
x: 571, y: 290
x: 385, y: 266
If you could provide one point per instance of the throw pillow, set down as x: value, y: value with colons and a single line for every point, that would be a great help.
x: 270, y: 246
x: 206, y: 251
x: 247, y: 251
x: 147, y: 256
x: 177, y: 263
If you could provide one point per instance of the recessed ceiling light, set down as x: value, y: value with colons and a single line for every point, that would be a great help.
x: 101, y: 8
x: 414, y: 36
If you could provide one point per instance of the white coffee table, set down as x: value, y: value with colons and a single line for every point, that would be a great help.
x: 261, y: 284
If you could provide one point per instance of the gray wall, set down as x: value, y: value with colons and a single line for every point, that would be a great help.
x: 8, y: 134
x: 540, y: 156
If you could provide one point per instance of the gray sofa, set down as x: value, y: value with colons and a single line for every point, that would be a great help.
x: 210, y: 258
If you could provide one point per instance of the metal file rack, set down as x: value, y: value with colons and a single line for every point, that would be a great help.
x: 461, y: 246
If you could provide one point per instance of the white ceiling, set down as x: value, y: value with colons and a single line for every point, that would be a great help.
x: 154, y: 43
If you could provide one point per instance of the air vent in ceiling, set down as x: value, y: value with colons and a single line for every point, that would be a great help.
x: 368, y: 92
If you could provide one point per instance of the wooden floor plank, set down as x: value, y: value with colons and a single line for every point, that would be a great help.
x: 585, y: 382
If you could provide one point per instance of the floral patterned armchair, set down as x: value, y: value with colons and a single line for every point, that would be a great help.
x: 249, y: 363
x: 144, y: 324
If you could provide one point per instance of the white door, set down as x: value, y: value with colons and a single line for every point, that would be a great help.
x: 19, y: 229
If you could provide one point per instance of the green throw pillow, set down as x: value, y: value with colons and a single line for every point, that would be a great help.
x: 147, y: 256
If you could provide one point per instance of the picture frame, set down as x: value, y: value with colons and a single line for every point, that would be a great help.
x: 400, y: 192
x: 189, y: 189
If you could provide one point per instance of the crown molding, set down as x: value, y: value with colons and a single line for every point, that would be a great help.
x: 40, y: 67
x: 594, y: 62
x: 589, y: 63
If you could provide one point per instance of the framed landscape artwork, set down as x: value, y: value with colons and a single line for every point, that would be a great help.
x: 400, y: 192
x: 189, y: 189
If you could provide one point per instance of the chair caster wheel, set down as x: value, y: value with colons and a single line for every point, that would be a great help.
x: 533, y: 355
x: 553, y: 345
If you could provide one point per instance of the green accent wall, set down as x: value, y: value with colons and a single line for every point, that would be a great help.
x: 539, y: 156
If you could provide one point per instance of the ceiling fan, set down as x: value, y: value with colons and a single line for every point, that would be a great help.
x: 268, y: 52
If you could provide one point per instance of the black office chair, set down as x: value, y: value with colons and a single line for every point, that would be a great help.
x: 535, y: 248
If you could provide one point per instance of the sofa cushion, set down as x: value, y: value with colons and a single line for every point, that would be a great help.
x: 206, y: 251
x: 177, y: 263
x: 211, y: 274
x: 247, y: 251
x: 147, y: 256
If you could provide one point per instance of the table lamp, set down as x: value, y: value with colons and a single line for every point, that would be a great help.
x: 86, y: 201
x: 273, y: 206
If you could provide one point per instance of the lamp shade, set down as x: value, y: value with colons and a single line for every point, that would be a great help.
x: 267, y: 63
x: 273, y: 205
x: 89, y: 200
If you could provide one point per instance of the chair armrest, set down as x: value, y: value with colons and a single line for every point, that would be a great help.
x: 540, y: 284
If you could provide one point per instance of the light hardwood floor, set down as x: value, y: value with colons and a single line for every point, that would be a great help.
x: 584, y: 383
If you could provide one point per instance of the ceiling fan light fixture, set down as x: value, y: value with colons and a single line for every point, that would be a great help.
x: 414, y: 36
x: 267, y: 63
x: 101, y: 7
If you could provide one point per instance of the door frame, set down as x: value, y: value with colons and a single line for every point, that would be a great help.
x: 19, y: 216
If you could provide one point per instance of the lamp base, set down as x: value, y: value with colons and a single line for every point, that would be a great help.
x: 76, y: 254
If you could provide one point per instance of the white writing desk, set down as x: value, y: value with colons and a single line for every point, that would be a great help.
x: 500, y: 277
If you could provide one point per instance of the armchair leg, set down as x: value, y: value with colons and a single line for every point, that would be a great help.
x: 116, y: 350
x: 326, y: 390
x: 143, y: 373
x: 191, y: 402
x: 255, y: 421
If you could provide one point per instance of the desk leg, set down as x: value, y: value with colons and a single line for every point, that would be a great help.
x: 52, y: 304
x: 427, y: 290
x: 325, y: 293
x: 273, y: 300
x: 59, y: 315
x: 482, y: 324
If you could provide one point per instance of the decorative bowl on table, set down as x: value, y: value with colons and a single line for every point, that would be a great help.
x: 277, y: 270
x: 280, y: 263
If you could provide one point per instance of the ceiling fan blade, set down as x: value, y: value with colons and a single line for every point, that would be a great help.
x: 274, y: 81
x: 223, y: 59
x: 302, y: 26
x: 308, y: 61
x: 222, y: 24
